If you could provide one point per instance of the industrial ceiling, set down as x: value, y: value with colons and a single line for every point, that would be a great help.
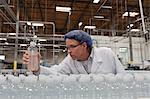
x: 108, y: 17
x: 81, y: 11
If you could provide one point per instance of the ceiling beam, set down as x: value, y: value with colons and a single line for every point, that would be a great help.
x: 7, y: 19
x: 9, y: 10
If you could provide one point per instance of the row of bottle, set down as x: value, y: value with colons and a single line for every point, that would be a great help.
x: 120, y: 86
x: 80, y: 78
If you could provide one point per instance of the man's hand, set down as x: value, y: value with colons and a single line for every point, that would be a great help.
x: 26, y: 60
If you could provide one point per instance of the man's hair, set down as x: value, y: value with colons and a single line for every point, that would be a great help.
x: 80, y: 36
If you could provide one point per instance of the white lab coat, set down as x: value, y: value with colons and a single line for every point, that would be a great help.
x: 103, y: 61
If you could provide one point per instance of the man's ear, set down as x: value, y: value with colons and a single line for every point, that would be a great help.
x: 84, y: 44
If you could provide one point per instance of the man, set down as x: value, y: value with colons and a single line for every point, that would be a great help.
x: 82, y: 58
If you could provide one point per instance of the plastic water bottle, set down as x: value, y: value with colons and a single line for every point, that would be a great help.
x: 34, y: 57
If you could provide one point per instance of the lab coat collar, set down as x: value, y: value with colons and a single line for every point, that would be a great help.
x: 98, y: 58
x: 95, y: 59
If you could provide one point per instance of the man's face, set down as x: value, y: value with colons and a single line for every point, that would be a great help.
x: 75, y: 49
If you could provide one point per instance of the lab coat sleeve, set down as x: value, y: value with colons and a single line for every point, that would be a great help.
x: 118, y: 66
x: 48, y: 71
x: 62, y: 68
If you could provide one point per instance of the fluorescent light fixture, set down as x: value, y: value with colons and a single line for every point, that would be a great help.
x: 38, y: 44
x: 102, y: 19
x: 42, y: 40
x: 63, y: 51
x: 63, y: 9
x: 135, y: 30
x: 90, y: 27
x: 3, y: 39
x: 131, y: 14
x: 12, y: 33
x: 80, y: 23
x: 98, y: 17
x: 23, y: 44
x: 107, y: 7
x: 56, y: 46
x: 37, y: 24
x: 96, y: 1
x: 35, y: 36
x: 28, y: 23
x: 6, y: 43
x: 131, y: 25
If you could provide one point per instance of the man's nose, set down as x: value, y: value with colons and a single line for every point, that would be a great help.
x: 68, y: 50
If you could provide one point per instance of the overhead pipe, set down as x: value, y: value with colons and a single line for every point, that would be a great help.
x: 52, y: 23
x: 21, y: 36
x: 13, y: 44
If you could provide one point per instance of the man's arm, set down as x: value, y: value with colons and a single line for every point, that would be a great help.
x: 62, y: 68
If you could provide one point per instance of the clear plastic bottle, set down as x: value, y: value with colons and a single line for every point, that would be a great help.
x: 34, y: 57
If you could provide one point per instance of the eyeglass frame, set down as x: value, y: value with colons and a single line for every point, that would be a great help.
x: 72, y: 46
